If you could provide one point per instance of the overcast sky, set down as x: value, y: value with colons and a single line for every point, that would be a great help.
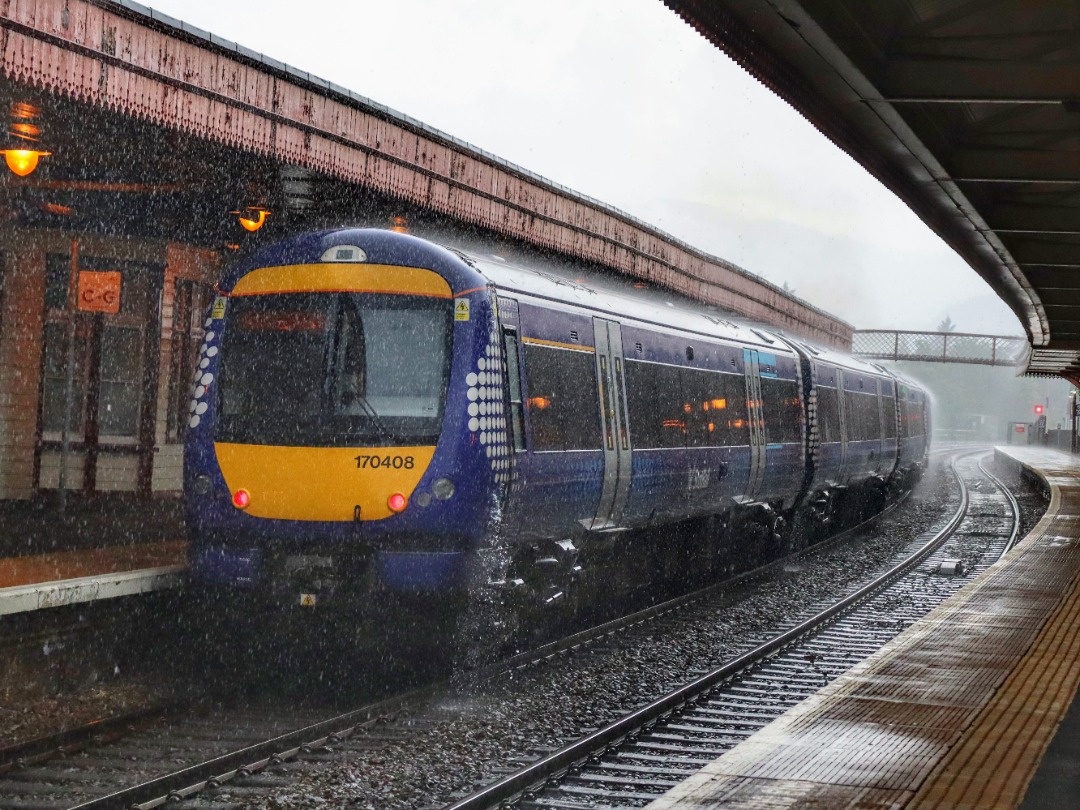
x: 621, y: 100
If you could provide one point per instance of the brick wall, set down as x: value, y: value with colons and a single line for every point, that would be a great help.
x: 21, y: 334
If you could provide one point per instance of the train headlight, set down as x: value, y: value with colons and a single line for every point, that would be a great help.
x: 443, y: 489
x: 396, y: 502
x: 202, y: 485
x: 241, y: 499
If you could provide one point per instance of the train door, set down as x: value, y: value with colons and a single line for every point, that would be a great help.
x: 889, y: 441
x: 754, y: 417
x: 610, y: 380
x: 842, y: 407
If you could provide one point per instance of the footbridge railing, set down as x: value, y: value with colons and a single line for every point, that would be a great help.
x: 940, y: 347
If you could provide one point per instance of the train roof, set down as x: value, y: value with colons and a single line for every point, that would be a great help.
x: 822, y: 354
x: 617, y: 297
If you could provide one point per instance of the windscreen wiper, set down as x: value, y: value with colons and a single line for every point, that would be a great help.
x: 380, y: 428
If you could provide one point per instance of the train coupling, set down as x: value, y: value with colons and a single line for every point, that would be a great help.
x: 310, y: 578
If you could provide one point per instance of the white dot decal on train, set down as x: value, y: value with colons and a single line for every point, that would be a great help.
x: 202, y: 379
x: 485, y: 385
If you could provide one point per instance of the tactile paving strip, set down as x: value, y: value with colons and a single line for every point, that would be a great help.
x: 955, y: 712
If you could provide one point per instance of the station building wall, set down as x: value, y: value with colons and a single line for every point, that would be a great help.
x: 132, y: 370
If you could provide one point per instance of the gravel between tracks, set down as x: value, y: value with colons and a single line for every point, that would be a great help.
x: 509, y: 721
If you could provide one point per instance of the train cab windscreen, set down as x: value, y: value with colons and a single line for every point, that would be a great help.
x: 334, y: 369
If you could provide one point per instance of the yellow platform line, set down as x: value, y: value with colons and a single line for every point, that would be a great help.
x: 993, y: 763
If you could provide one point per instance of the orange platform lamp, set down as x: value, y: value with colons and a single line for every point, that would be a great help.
x: 251, y: 217
x: 23, y: 161
x: 22, y: 151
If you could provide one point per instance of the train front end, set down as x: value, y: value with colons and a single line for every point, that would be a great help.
x: 328, y: 455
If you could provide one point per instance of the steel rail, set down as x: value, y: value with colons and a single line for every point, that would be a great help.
x: 182, y: 783
x: 514, y: 786
x: 1013, y: 505
x: 73, y: 739
x: 188, y: 781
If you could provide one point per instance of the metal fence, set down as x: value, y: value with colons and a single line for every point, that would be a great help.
x: 940, y: 347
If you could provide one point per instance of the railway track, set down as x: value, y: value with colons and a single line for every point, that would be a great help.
x: 634, y: 760
x: 176, y: 760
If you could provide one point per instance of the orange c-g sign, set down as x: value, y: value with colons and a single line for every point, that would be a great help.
x: 99, y: 291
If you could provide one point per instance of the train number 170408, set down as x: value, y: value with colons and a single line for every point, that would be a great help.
x: 390, y: 462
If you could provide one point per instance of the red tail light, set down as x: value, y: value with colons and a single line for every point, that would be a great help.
x: 396, y: 502
x: 241, y: 498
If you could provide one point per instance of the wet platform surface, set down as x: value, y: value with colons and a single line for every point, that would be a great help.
x: 63, y: 578
x: 959, y: 711
x: 98, y: 548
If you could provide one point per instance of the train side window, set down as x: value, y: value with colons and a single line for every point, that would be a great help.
x: 736, y: 421
x: 654, y: 399
x: 888, y: 407
x: 564, y: 408
x: 517, y: 407
x: 716, y: 409
x: 873, y: 416
x: 862, y: 411
x: 780, y: 402
x: 828, y: 414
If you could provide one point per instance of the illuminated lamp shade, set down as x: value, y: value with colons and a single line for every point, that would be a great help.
x: 241, y: 499
x: 252, y: 218
x: 23, y: 161
x: 396, y: 502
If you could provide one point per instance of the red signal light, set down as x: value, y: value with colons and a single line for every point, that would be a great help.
x: 241, y: 498
x: 1038, y: 410
x: 396, y: 502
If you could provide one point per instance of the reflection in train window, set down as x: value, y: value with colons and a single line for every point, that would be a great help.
x: 828, y: 414
x: 782, y: 411
x: 670, y: 406
x: 717, y: 415
x: 654, y: 400
x: 888, y: 408
x: 863, y: 417
x: 563, y: 406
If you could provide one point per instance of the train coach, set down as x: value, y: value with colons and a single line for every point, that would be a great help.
x: 374, y: 414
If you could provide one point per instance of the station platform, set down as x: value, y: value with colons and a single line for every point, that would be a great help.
x: 101, y: 548
x: 974, y: 706
x: 69, y: 577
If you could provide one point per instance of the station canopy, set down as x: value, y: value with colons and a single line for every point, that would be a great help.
x: 969, y: 110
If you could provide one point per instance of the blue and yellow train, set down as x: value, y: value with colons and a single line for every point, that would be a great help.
x: 374, y: 414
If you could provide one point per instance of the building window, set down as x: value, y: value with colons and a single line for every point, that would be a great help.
x: 109, y: 355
